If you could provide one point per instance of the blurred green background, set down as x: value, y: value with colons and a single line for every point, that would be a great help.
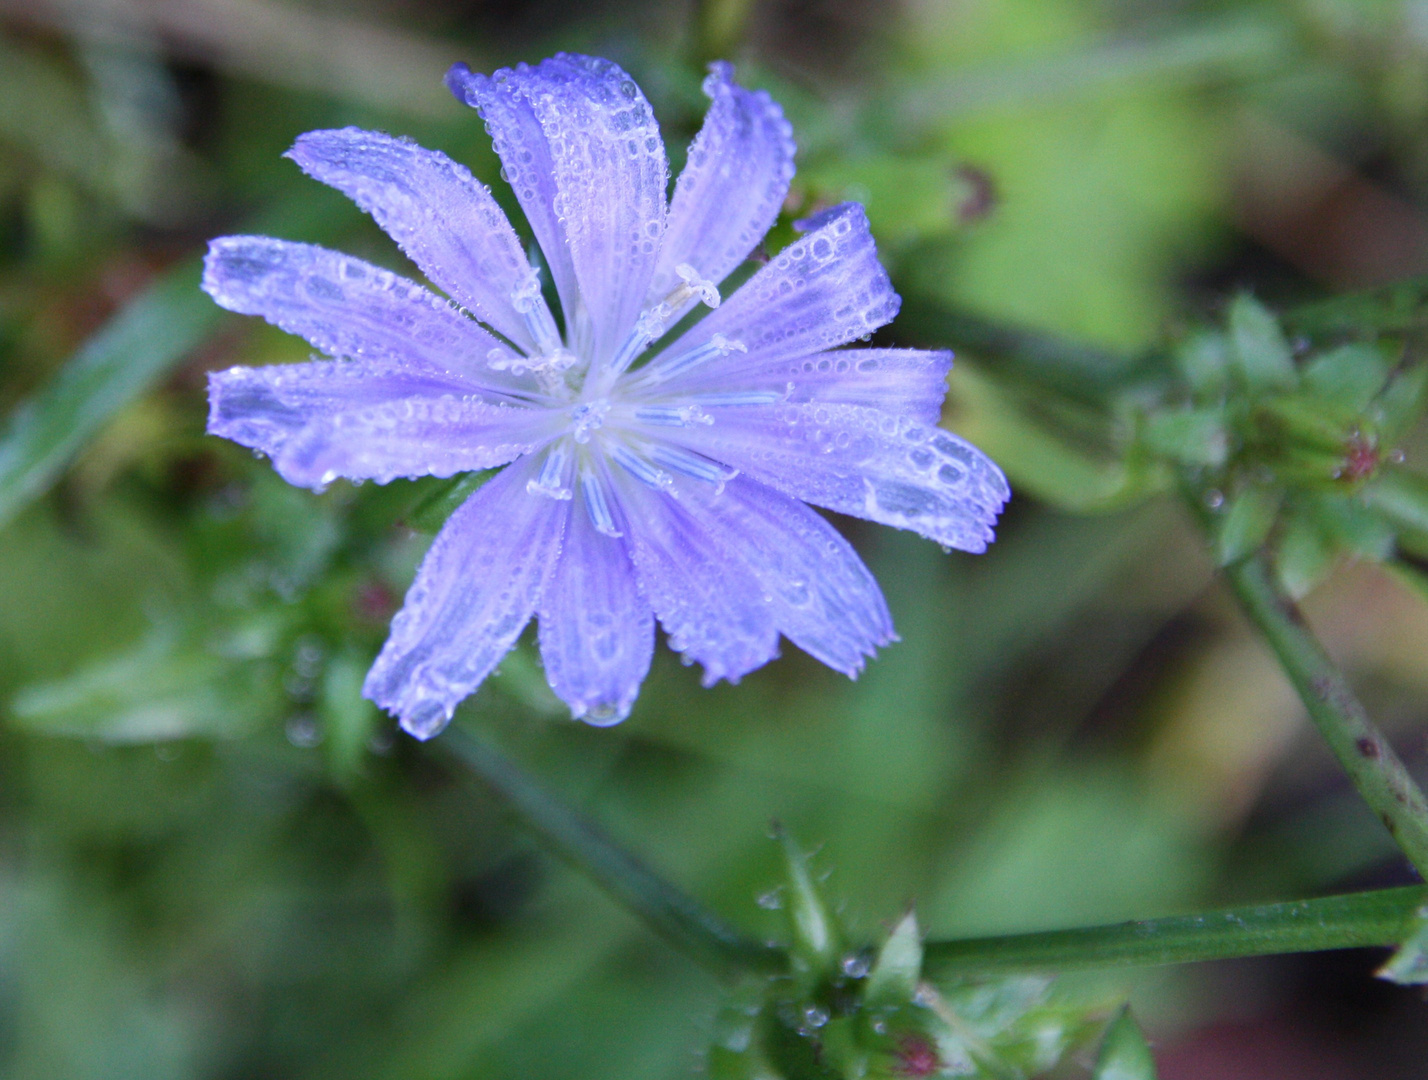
x: 217, y: 861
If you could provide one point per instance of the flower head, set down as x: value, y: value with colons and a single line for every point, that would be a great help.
x: 648, y: 475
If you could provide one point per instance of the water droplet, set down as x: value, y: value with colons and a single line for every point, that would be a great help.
x: 855, y: 965
x: 1214, y: 499
x: 771, y: 900
x: 303, y: 731
x: 815, y: 1016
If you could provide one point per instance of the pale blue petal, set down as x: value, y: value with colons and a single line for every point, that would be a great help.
x: 708, y: 602
x: 821, y: 595
x: 596, y: 630
x: 442, y: 217
x: 322, y: 421
x: 911, y: 382
x: 732, y: 186
x: 474, y: 593
x: 862, y: 462
x: 264, y: 408
x: 823, y: 290
x: 349, y: 308
x: 583, y: 152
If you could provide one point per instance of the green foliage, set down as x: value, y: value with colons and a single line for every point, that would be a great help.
x: 1409, y: 963
x: 869, y: 1014
x: 217, y: 859
x: 1125, y: 1055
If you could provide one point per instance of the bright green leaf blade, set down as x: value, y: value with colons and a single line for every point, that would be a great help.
x: 1347, y: 377
x: 1258, y: 348
x: 816, y: 937
x: 1401, y: 497
x: 898, y: 967
x: 1125, y: 1055
x: 165, y: 323
x: 1303, y: 557
x: 1409, y: 964
x: 1190, y: 436
x: 1245, y: 523
x: 1390, y: 309
x: 1203, y: 362
x: 1401, y: 403
x: 1352, y: 526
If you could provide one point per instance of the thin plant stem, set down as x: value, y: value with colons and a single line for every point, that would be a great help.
x: 1083, y: 372
x: 672, y: 913
x: 1361, y: 749
x: 1380, y: 918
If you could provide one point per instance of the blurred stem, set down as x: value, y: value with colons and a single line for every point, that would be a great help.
x: 721, y: 27
x: 1364, y: 753
x: 1384, y: 917
x: 1085, y: 373
x: 673, y: 914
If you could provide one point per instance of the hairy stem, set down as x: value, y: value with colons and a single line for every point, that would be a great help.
x: 675, y: 915
x: 1384, y: 917
x: 1360, y: 747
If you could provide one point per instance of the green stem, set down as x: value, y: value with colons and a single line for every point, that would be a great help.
x: 1381, y: 918
x: 1362, y: 750
x: 675, y: 915
x: 1085, y: 373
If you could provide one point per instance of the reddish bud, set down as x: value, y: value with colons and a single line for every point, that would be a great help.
x: 916, y: 1056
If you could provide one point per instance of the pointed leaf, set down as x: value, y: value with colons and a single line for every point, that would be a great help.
x: 431, y: 511
x: 1409, y: 964
x: 1125, y: 1055
x: 1347, y: 377
x: 1352, y: 526
x: 1245, y: 523
x: 1258, y: 348
x: 817, y: 939
x: 116, y: 365
x: 1189, y: 436
x: 895, y: 974
x: 1401, y: 497
x: 1203, y: 360
x: 1401, y: 403
x: 1304, y: 556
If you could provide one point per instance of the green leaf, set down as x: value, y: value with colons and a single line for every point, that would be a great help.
x: 1203, y: 360
x: 1389, y: 309
x: 1244, y: 523
x: 169, y: 687
x: 1352, y: 526
x: 431, y: 511
x: 349, y: 719
x: 1347, y: 377
x: 1304, y: 555
x: 1401, y: 497
x: 126, y: 357
x: 1401, y: 404
x: 817, y: 939
x: 1125, y: 1055
x: 1189, y: 436
x: 895, y: 974
x: 1409, y: 964
x: 1258, y: 348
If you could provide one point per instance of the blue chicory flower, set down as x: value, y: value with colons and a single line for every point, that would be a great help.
x: 643, y: 478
